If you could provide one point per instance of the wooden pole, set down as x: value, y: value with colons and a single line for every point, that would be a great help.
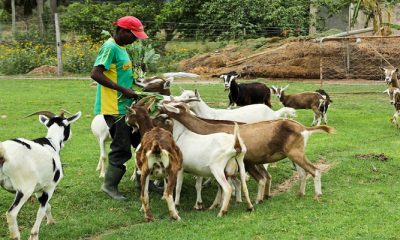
x: 59, y: 46
x: 13, y: 17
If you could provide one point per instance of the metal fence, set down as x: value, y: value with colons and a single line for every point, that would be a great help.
x: 358, y: 57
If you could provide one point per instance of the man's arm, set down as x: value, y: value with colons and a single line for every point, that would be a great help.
x: 98, y: 75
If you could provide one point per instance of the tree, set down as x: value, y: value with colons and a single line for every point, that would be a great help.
x: 374, y: 10
x: 179, y: 16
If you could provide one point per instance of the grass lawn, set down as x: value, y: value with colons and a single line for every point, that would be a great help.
x: 360, y: 195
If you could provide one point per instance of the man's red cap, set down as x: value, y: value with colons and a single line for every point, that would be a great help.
x: 133, y: 24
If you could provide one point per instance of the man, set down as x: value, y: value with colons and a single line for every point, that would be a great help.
x: 113, y: 71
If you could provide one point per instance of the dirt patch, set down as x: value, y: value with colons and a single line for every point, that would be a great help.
x: 44, y: 70
x: 322, y: 165
x: 372, y: 156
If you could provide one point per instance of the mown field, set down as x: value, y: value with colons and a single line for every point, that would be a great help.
x: 360, y: 194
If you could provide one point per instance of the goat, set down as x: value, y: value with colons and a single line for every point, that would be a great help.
x: 210, y: 155
x: 391, y: 76
x: 305, y: 100
x: 245, y: 93
x: 245, y: 114
x: 392, y: 91
x: 100, y: 128
x: 324, y: 107
x: 34, y: 166
x: 394, y: 98
x: 156, y: 84
x: 266, y: 142
x: 158, y: 156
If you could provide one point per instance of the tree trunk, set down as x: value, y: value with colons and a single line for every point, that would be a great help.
x: 13, y: 17
x: 40, y: 17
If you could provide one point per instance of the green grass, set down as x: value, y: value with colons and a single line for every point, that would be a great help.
x: 360, y: 196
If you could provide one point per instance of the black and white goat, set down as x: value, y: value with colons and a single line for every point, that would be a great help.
x: 245, y: 93
x: 323, y: 108
x: 34, y: 166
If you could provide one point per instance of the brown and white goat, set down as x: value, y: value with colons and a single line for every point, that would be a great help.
x: 306, y: 100
x: 156, y: 84
x: 266, y: 142
x: 395, y: 100
x: 101, y: 130
x: 391, y: 91
x: 391, y: 76
x: 157, y: 157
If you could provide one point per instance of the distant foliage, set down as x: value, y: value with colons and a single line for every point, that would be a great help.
x: 79, y: 56
x: 23, y: 57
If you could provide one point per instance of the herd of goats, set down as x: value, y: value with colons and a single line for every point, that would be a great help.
x: 184, y: 135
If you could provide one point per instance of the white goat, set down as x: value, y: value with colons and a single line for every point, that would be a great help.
x: 34, y: 166
x: 210, y: 155
x: 246, y: 114
x: 101, y: 131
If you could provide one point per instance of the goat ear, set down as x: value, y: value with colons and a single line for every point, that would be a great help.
x: 196, y: 93
x: 273, y: 89
x: 150, y: 102
x: 386, y: 91
x: 43, y: 119
x: 283, y: 89
x: 75, y: 117
x: 170, y: 108
x: 222, y: 76
x: 381, y: 68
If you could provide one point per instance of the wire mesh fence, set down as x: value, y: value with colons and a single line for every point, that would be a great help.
x: 358, y: 57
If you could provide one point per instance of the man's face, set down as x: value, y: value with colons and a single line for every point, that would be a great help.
x: 127, y: 36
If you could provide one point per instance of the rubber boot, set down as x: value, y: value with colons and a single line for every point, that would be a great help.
x: 111, y: 180
x: 152, y: 187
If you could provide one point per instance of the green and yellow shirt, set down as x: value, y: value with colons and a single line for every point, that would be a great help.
x: 118, y: 65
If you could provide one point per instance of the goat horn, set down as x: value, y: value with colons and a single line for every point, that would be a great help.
x: 142, y: 101
x: 45, y: 113
x: 65, y: 111
x: 191, y: 100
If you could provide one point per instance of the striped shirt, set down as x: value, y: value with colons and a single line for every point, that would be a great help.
x: 118, y: 65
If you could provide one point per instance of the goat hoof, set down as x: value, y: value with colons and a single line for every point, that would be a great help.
x: 221, y: 213
x: 300, y: 195
x: 198, y: 206
x: 259, y: 201
x: 149, y: 218
x: 175, y: 217
x: 51, y: 222
x: 250, y: 209
x: 34, y: 236
x: 317, y: 197
x: 266, y: 197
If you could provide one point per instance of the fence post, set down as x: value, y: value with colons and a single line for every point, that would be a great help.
x: 13, y: 18
x: 59, y: 46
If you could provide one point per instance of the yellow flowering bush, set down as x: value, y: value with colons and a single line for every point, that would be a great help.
x: 79, y: 56
x: 22, y: 57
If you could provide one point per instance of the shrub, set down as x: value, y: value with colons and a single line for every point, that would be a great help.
x: 79, y: 56
x: 22, y: 57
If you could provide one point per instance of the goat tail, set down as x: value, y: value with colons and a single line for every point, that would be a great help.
x: 286, y: 112
x: 322, y: 128
x: 238, y: 144
x: 2, y: 154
